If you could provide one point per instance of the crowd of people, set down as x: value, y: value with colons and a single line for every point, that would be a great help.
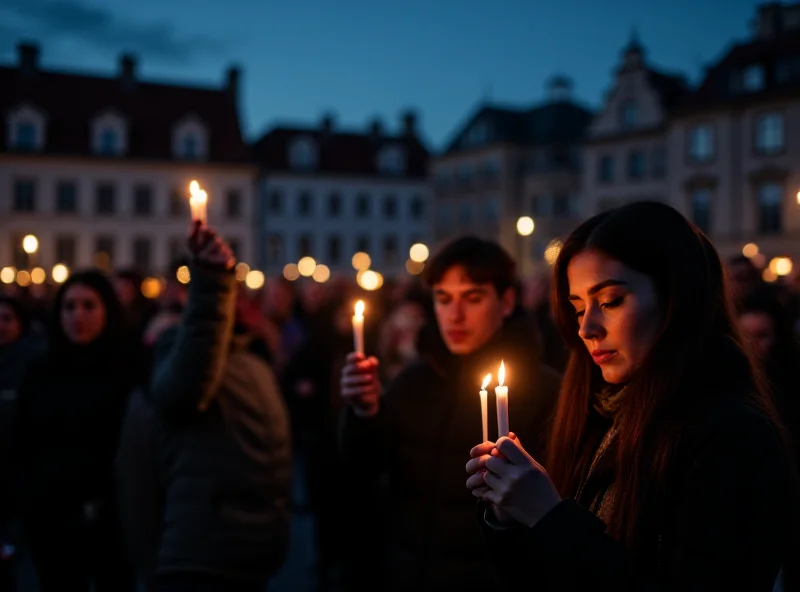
x: 653, y: 403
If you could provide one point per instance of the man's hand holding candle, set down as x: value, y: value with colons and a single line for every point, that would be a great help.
x: 507, y: 477
x: 208, y: 248
x: 360, y: 386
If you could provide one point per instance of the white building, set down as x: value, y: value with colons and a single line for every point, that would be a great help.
x: 328, y: 194
x: 98, y: 167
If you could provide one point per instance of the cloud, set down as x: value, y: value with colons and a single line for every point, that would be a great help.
x: 99, y: 27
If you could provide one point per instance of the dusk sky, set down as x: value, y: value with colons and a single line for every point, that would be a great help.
x: 367, y: 58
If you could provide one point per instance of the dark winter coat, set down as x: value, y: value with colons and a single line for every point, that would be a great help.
x: 223, y: 444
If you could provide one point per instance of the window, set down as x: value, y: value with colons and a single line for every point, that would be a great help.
x: 362, y: 206
x: 334, y: 205
x: 177, y: 249
x: 25, y: 136
x: 390, y: 207
x: 275, y: 202
x: 444, y: 215
x: 769, y: 133
x: 304, y: 204
x: 104, y: 199
x: 658, y: 162
x: 363, y: 244
x: 142, y: 200
x: 605, y: 171
x: 25, y: 195
x: 636, y: 165
x: 465, y: 214
x: 628, y: 114
x: 104, y: 251
x: 19, y: 259
x: 536, y: 205
x: 190, y: 147
x: 233, y: 204
x: 304, y: 247
x: 392, y: 160
x: 561, y: 206
x: 701, y: 209
x: 334, y: 250
x: 178, y: 204
x: 417, y: 208
x: 66, y: 247
x: 753, y: 78
x: 770, y: 208
x: 701, y: 143
x: 109, y: 144
x: 66, y: 197
x: 142, y: 253
x: 275, y: 249
x: 303, y: 154
x: 390, y: 250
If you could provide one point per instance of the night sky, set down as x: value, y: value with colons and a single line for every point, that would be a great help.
x: 367, y: 58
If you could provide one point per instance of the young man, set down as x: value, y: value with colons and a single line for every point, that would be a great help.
x: 421, y: 430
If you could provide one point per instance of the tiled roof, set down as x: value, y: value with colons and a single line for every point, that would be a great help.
x: 340, y: 152
x: 560, y: 122
x: 716, y: 87
x: 71, y: 101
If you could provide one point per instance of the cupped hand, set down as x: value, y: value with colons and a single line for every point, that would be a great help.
x: 360, y: 386
x: 515, y: 483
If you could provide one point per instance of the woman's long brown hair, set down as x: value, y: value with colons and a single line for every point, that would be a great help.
x: 698, y: 345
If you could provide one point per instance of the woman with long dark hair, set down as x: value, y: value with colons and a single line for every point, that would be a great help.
x: 71, y: 406
x: 667, y: 467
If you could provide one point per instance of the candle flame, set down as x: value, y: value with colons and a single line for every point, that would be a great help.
x: 194, y: 187
x: 360, y: 309
x: 486, y: 380
x: 501, y: 375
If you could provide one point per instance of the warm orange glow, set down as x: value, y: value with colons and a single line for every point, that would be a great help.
x: 194, y: 187
x: 501, y: 375
x: 360, y: 309
x: 486, y: 380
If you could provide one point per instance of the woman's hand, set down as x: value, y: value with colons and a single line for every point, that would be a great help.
x: 477, y: 469
x: 510, y: 479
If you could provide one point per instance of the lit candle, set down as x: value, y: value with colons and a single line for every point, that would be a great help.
x: 501, y: 395
x: 485, y: 407
x: 198, y: 202
x: 358, y: 327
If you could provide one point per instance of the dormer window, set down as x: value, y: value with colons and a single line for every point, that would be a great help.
x: 109, y: 135
x: 628, y: 114
x: 392, y: 160
x: 190, y: 139
x: 303, y: 154
x: 478, y: 135
x: 26, y: 130
x: 753, y: 78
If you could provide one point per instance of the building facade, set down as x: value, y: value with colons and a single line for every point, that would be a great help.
x: 505, y: 163
x: 626, y: 154
x: 97, y: 168
x: 735, y: 144
x: 329, y: 193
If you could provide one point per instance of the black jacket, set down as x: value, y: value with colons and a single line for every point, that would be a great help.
x: 429, y: 420
x: 223, y: 444
x: 723, y: 523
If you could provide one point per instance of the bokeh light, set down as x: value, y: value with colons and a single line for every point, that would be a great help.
x: 183, y: 275
x: 254, y: 279
x: 8, y: 275
x: 419, y: 253
x: 369, y: 280
x: 321, y: 274
x: 414, y: 267
x: 60, y: 273
x: 306, y: 266
x: 361, y: 261
x: 525, y: 226
x: 242, y: 269
x: 290, y: 272
x: 30, y: 244
x: 750, y: 250
x: 23, y: 278
x: 151, y: 287
x: 552, y: 251
x: 38, y: 275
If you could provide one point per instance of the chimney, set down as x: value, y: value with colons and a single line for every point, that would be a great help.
x: 326, y: 125
x: 409, y: 119
x: 232, y: 76
x: 28, y: 53
x: 559, y: 89
x: 376, y: 128
x: 127, y: 70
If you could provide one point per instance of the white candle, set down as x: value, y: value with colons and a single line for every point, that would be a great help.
x: 358, y: 327
x: 485, y: 407
x: 501, y: 395
x: 198, y: 202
